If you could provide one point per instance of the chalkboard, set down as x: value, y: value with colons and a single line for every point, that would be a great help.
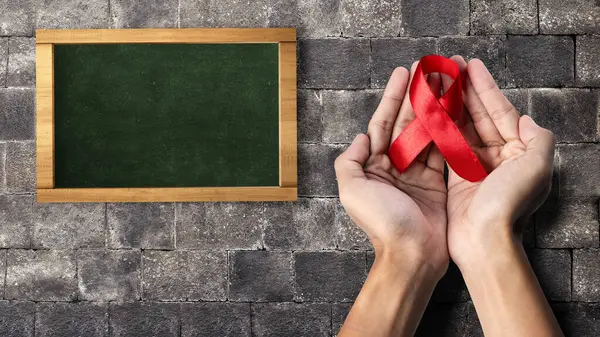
x: 166, y: 115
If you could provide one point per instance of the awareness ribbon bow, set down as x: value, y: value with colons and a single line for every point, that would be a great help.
x: 434, y: 121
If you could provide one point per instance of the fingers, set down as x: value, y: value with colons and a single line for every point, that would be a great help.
x: 406, y: 114
x: 435, y: 83
x: 482, y: 125
x: 350, y: 163
x: 486, y: 129
x: 447, y: 81
x: 435, y: 160
x: 503, y: 114
x: 382, y: 122
x: 465, y: 124
x: 462, y: 67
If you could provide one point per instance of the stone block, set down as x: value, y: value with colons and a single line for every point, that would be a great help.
x: 333, y: 63
x: 310, y: 116
x: 20, y: 167
x: 586, y: 275
x: 305, y: 225
x: 291, y: 319
x: 260, y: 276
x: 519, y: 98
x: 388, y: 54
x: 587, y: 61
x: 491, y: 50
x: 569, y: 17
x: 141, y: 225
x: 236, y: 14
x: 578, y: 167
x: 146, y: 14
x: 370, y: 18
x: 17, y: 113
x: 539, y: 61
x: 21, y: 62
x: 318, y: 18
x: 215, y: 320
x: 69, y: 225
x: 17, y: 17
x: 316, y: 174
x: 41, y: 275
x: 16, y: 217
x: 17, y: 318
x: 572, y: 114
x: 72, y: 14
x: 435, y: 18
x: 329, y: 276
x: 578, y: 319
x: 3, y: 60
x: 514, y: 17
x: 339, y: 312
x: 349, y: 235
x: 184, y: 275
x: 71, y: 319
x: 109, y: 275
x: 568, y: 223
x: 219, y: 225
x: 141, y: 319
x: 347, y: 113
x: 553, y: 270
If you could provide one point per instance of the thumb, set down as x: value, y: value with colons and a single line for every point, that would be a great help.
x: 536, y: 138
x: 350, y: 163
x: 535, y: 179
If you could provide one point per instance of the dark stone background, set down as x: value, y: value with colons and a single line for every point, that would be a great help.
x: 275, y: 269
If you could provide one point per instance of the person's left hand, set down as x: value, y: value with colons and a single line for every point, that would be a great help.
x: 402, y: 213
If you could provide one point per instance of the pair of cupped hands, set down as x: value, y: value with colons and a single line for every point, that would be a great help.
x: 415, y: 214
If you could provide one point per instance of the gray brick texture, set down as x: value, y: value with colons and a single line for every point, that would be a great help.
x: 71, y: 319
x: 504, y: 17
x: 293, y: 269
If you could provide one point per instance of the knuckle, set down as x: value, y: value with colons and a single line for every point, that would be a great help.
x: 392, y: 97
x: 500, y: 112
x: 478, y: 115
x: 384, y: 125
x: 402, y: 123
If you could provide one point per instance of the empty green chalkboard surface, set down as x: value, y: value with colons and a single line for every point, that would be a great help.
x: 205, y: 115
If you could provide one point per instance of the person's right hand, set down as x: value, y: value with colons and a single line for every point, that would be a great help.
x: 403, y: 214
x: 518, y: 154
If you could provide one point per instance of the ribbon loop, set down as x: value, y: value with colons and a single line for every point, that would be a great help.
x: 434, y: 121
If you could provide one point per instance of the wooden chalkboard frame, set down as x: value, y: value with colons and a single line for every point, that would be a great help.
x: 288, y: 181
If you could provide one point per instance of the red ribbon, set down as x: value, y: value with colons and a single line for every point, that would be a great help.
x: 434, y: 121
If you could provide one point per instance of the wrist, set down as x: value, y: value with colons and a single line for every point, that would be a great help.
x: 409, y: 262
x: 394, y: 296
x: 478, y: 250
